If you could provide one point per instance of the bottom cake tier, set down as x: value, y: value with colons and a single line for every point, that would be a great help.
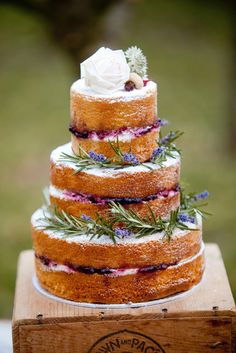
x: 133, y: 270
x: 132, y: 286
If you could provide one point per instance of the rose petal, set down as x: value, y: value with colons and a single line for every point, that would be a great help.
x: 106, y: 71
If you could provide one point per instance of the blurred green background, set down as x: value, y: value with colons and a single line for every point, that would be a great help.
x: 189, y: 51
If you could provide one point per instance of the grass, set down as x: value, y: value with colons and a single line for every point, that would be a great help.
x: 188, y: 51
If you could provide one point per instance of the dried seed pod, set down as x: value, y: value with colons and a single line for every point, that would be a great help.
x: 129, y: 86
x: 136, y: 79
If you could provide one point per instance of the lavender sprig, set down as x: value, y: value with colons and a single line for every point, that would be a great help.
x: 189, y: 203
x: 157, y: 152
x: 159, y: 155
x: 85, y: 161
x: 97, y: 157
x: 147, y: 225
x: 67, y: 225
x: 58, y: 221
x: 170, y: 137
x: 166, y: 147
x: 130, y: 158
x: 186, y: 218
x: 122, y: 232
x: 127, y: 157
x: 86, y: 218
x: 202, y: 195
x: 163, y: 122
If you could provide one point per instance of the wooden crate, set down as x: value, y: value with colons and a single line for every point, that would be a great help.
x: 202, y: 322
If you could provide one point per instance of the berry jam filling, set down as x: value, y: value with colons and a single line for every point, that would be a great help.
x: 102, y: 134
x: 69, y: 267
x: 82, y: 197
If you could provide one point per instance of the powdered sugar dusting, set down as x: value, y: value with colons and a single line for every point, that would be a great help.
x: 38, y: 220
x: 79, y: 87
x: 104, y: 172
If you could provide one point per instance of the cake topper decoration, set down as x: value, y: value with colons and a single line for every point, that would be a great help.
x: 134, y: 81
x: 106, y: 71
x: 138, y: 68
x: 137, y: 61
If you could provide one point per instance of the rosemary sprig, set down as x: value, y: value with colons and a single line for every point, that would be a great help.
x: 117, y: 150
x: 168, y: 142
x: 84, y: 161
x: 191, y: 205
x: 170, y: 137
x: 121, y: 157
x: 148, y: 225
x: 166, y: 147
x: 70, y: 226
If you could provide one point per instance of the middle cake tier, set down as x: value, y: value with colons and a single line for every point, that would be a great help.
x: 137, y: 187
x: 141, y: 141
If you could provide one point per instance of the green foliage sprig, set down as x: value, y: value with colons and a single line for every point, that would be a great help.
x: 166, y: 147
x: 136, y: 61
x: 143, y: 226
x: 85, y: 161
x: 70, y: 226
x: 191, y: 203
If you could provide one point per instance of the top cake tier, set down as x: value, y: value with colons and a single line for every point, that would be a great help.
x: 114, y: 106
x: 91, y: 111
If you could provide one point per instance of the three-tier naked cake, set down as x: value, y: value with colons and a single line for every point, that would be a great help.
x: 118, y: 227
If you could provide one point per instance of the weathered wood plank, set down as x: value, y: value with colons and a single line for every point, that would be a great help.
x: 173, y: 335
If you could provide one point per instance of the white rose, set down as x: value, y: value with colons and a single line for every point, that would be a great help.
x: 106, y: 71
